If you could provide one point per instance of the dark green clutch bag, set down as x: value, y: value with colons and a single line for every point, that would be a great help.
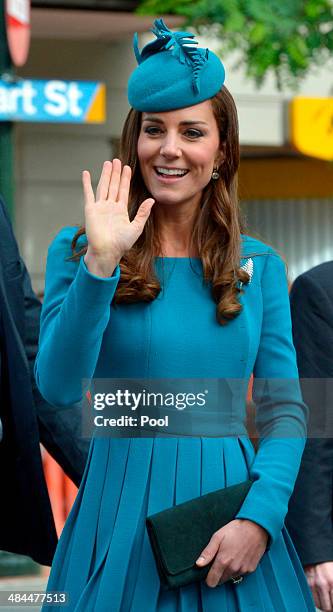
x: 179, y: 534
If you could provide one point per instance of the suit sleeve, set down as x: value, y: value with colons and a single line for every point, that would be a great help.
x: 75, y: 313
x: 309, y: 519
x: 59, y: 432
x: 280, y: 412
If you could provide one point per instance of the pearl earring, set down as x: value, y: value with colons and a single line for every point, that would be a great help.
x: 215, y: 174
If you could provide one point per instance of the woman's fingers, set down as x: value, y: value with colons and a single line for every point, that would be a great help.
x: 104, y: 181
x: 88, y: 193
x: 113, y: 186
x: 216, y: 573
x: 114, y: 183
x: 124, y: 186
x: 142, y: 214
x: 210, y: 551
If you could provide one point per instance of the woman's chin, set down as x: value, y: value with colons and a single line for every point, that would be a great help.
x: 168, y: 202
x: 167, y: 197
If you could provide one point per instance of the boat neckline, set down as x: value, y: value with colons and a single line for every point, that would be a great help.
x: 175, y: 257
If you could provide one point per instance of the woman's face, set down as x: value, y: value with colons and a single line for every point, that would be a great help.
x: 177, y: 152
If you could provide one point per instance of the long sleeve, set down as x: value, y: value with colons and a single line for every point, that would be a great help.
x: 75, y: 313
x: 309, y: 519
x: 280, y: 412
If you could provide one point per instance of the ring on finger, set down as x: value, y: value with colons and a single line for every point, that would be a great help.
x: 237, y: 579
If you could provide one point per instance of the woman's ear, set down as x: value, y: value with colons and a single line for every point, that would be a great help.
x: 220, y: 157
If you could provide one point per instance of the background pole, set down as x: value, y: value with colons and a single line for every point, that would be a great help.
x: 6, y: 127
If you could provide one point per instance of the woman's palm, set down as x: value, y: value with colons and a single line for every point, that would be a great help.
x: 109, y: 230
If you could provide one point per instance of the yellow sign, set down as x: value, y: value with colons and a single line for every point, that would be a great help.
x: 312, y: 126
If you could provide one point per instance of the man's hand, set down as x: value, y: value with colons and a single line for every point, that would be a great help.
x: 320, y: 580
x: 237, y: 548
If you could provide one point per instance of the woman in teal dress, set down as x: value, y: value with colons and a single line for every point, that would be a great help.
x: 163, y: 284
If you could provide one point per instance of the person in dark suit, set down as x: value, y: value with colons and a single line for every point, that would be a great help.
x: 310, y: 516
x: 26, y: 521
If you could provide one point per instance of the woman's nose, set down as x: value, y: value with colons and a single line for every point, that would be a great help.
x: 170, y: 147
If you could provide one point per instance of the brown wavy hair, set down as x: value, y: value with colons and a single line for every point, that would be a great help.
x: 217, y: 228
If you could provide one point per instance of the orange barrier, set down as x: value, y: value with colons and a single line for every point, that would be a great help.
x: 62, y: 490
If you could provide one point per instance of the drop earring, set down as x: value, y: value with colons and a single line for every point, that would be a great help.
x: 215, y: 174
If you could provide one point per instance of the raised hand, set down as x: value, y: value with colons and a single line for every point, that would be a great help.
x: 109, y: 231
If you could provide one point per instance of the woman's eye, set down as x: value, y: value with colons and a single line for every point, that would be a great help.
x: 152, y: 130
x: 192, y: 133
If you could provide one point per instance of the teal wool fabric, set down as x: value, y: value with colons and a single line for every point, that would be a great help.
x: 173, y: 72
x: 104, y: 560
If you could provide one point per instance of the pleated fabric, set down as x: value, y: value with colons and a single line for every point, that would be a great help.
x: 104, y: 559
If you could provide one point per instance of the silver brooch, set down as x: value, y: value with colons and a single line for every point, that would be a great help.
x: 248, y: 267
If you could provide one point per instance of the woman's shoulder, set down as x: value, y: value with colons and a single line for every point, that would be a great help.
x: 63, y: 240
x: 259, y: 259
x: 252, y: 247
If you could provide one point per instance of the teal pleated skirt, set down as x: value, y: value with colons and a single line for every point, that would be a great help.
x: 104, y: 560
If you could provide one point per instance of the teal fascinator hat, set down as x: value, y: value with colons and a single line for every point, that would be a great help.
x: 172, y: 72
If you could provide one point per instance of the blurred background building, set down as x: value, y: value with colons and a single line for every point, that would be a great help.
x: 287, y: 197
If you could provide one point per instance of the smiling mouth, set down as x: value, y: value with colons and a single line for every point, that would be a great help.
x: 170, y: 173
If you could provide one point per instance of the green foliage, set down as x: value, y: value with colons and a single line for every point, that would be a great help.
x: 286, y: 36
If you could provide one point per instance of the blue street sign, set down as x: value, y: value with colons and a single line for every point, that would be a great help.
x: 52, y: 101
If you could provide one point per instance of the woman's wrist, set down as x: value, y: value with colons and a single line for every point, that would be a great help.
x: 100, y: 265
x: 255, y: 527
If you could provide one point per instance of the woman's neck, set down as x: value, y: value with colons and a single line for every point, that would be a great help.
x: 172, y: 245
x: 175, y: 235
